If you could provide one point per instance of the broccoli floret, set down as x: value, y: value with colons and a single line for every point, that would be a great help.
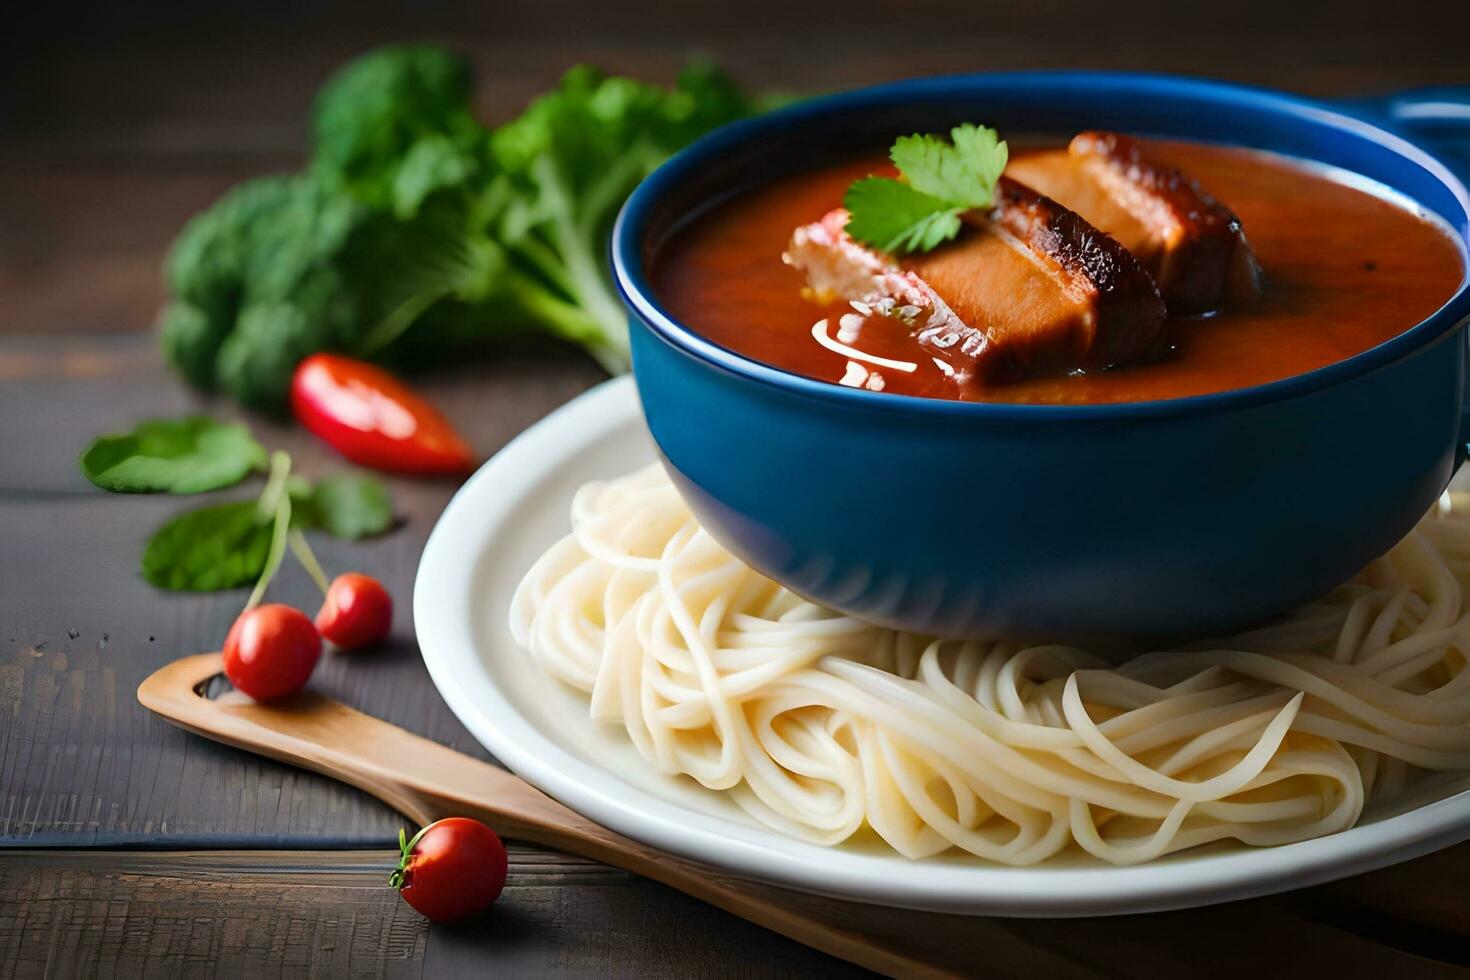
x: 282, y: 268
x: 191, y: 341
x: 256, y: 361
x: 207, y: 271
x: 417, y: 228
x: 272, y: 242
x: 206, y: 266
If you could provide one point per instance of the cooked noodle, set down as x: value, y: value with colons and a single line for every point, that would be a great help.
x: 818, y: 724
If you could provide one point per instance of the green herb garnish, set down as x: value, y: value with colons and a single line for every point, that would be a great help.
x: 347, y: 507
x: 188, y: 455
x: 939, y: 181
x: 209, y: 549
x: 227, y: 546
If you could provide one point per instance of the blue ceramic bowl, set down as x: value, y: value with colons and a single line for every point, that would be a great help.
x: 1184, y: 516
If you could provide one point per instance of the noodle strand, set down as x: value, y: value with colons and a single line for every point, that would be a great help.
x: 821, y: 726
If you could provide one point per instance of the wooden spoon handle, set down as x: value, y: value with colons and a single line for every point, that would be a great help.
x: 426, y: 781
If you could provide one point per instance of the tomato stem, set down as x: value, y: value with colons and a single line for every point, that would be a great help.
x: 274, y: 497
x: 275, y: 484
x: 406, y: 846
x: 302, y: 550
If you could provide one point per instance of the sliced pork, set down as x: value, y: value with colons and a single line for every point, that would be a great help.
x: 1192, y: 244
x: 1028, y: 288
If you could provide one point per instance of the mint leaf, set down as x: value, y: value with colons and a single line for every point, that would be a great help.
x: 347, y: 507
x: 894, y: 217
x: 962, y: 174
x: 206, y: 550
x: 188, y: 455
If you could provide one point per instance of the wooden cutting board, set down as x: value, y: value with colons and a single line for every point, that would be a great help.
x: 1412, y: 917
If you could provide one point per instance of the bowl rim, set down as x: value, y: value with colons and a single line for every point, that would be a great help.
x: 631, y: 227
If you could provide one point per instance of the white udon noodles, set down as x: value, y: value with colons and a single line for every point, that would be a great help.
x: 818, y: 724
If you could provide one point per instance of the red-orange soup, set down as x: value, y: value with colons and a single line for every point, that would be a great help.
x: 1345, y: 270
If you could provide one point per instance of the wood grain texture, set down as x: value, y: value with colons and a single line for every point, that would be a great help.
x: 265, y: 913
x: 253, y: 913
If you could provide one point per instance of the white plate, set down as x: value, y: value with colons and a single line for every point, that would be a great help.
x: 517, y: 505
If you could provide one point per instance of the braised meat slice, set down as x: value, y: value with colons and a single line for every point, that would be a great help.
x: 837, y: 267
x: 1028, y: 288
x: 1192, y: 244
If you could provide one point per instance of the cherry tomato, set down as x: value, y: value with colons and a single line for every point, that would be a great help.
x: 451, y: 869
x: 357, y: 612
x: 374, y: 419
x: 271, y: 651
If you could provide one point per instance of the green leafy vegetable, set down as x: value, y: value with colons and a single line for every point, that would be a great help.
x: 939, y: 181
x: 416, y: 228
x: 173, y: 456
x: 573, y: 157
x: 348, y: 507
x: 226, y: 546
x: 267, y: 275
x: 219, y: 547
x: 432, y: 164
x: 379, y: 112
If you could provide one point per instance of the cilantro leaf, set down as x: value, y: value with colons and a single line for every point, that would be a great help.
x: 187, y: 455
x: 206, y: 550
x: 963, y: 173
x: 892, y: 216
x: 939, y: 181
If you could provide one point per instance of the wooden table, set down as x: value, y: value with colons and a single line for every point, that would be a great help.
x: 132, y: 848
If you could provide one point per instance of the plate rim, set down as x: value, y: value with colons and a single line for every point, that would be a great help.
x: 450, y: 650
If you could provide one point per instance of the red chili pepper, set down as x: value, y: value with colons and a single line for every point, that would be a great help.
x: 373, y: 419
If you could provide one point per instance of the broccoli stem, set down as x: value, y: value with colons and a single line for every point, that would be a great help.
x: 540, y: 257
x: 405, y: 315
x: 588, y: 284
x: 595, y: 298
x: 606, y: 194
x: 571, y: 322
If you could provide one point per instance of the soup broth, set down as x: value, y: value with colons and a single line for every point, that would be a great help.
x: 1345, y: 270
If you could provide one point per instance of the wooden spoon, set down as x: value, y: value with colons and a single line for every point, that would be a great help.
x: 426, y: 781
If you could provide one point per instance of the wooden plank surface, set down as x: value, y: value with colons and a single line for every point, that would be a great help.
x: 268, y: 913
x: 120, y: 121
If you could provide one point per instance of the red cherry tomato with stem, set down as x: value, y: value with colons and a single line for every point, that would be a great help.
x: 357, y: 612
x: 271, y: 651
x: 452, y: 869
x: 374, y: 419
